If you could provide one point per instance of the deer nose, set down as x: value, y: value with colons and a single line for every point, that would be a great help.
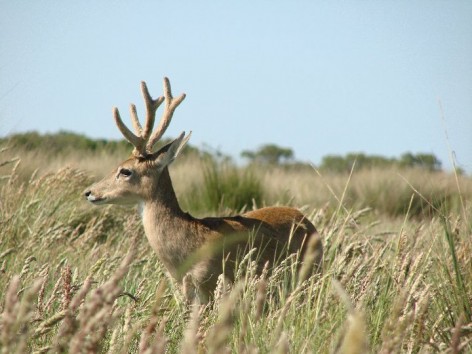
x: 87, y: 193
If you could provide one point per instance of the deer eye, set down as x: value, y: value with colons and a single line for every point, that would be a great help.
x: 125, y: 172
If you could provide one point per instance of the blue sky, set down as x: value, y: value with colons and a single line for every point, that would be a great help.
x: 320, y: 77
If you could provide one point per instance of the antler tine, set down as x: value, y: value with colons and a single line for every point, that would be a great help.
x: 151, y: 108
x: 137, y: 141
x: 170, y: 106
x: 135, y: 120
x: 143, y: 141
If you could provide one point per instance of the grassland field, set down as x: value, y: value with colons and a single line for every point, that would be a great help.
x: 74, y: 278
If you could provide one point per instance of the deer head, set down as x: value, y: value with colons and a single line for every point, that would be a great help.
x: 137, y: 179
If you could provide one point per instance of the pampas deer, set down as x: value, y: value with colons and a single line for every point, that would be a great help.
x: 188, y: 247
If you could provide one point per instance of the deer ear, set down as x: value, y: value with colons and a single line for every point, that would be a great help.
x: 169, y: 152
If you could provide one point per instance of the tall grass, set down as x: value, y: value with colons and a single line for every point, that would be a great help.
x: 388, y: 192
x: 76, y: 278
x: 224, y: 189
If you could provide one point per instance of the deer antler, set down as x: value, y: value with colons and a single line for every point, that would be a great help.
x: 143, y: 141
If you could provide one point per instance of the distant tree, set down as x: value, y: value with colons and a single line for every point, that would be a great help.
x: 334, y: 163
x: 269, y: 154
x: 65, y: 142
x: 420, y: 160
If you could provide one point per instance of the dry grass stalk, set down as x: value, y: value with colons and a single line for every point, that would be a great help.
x: 283, y: 345
x: 192, y: 338
x: 281, y: 314
x: 421, y: 311
x: 216, y: 339
x: 129, y: 337
x: 394, y: 328
x: 53, y: 295
x: 3, y: 268
x: 113, y: 345
x: 70, y: 323
x: 159, y: 345
x: 127, y: 320
x: 48, y: 325
x: 244, y: 319
x: 40, y: 305
x: 8, y: 320
x: 313, y: 255
x: 97, y: 313
x: 27, y: 266
x: 223, y: 287
x: 145, y: 342
x: 456, y: 335
x: 7, y: 252
x: 261, y: 295
x: 17, y: 316
x: 354, y: 338
x: 66, y: 286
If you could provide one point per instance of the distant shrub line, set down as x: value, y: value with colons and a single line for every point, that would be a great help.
x: 268, y: 154
x: 224, y: 187
x: 61, y: 142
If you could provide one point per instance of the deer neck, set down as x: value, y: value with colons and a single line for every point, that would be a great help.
x: 166, y: 226
x: 162, y: 207
x: 162, y: 198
